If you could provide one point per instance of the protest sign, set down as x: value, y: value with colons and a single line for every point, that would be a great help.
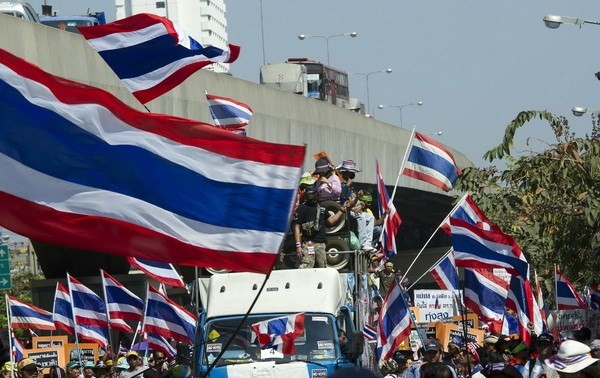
x: 567, y: 321
x: 46, y: 357
x: 434, y: 305
x: 88, y: 351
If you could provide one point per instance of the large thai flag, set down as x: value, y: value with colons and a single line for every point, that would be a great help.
x: 121, y: 304
x: 595, y: 297
x: 392, y: 221
x: 228, y: 113
x: 279, y: 333
x: 166, y: 318
x: 160, y: 271
x: 89, y: 313
x: 485, y: 294
x: 169, y: 189
x: 150, y: 54
x: 566, y: 295
x: 62, y: 313
x: 158, y: 342
x: 24, y: 315
x: 444, y: 273
x: 477, y: 248
x: 394, y: 322
x: 431, y: 162
x: 520, y: 300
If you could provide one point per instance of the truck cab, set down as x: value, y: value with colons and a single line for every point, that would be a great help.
x: 320, y: 294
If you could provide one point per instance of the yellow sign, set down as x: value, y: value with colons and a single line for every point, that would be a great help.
x: 88, y: 351
x: 46, y: 357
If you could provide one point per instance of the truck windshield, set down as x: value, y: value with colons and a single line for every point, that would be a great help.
x: 316, y: 343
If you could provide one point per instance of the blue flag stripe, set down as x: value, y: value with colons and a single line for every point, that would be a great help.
x: 227, y: 111
x: 56, y: 157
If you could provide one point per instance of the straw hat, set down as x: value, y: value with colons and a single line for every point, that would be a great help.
x: 572, y: 357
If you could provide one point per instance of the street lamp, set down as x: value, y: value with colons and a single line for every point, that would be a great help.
x: 419, y: 103
x: 553, y: 21
x: 302, y: 37
x: 366, y: 75
x: 578, y: 111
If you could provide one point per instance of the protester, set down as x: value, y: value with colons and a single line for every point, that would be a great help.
x: 158, y: 366
x: 595, y: 348
x: 27, y: 368
x: 135, y: 365
x: 432, y: 353
x: 88, y: 369
x: 535, y: 367
x: 328, y: 184
x: 436, y: 370
x: 57, y: 372
x: 389, y: 369
x: 583, y: 335
x: 573, y: 360
x: 501, y: 370
x: 7, y: 370
x: 386, y: 277
x: 73, y: 369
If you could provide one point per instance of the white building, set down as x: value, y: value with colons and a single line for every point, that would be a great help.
x: 203, y: 20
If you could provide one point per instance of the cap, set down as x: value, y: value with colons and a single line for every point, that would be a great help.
x: 89, y: 364
x: 389, y: 264
x: 545, y: 337
x: 109, y: 363
x: 349, y: 166
x: 400, y: 357
x: 307, y: 179
x: 131, y: 353
x: 122, y: 363
x: 73, y: 365
x: 375, y: 258
x: 180, y: 371
x: 101, y: 365
x: 25, y: 363
x: 7, y: 367
x: 432, y: 344
x: 323, y: 165
x: 491, y: 339
x: 367, y: 197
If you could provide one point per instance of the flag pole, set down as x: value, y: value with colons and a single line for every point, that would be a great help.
x: 435, y: 231
x: 207, y: 374
x: 555, y: 287
x: 410, y: 314
x: 10, y: 332
x: 408, y: 146
x: 110, y: 335
x: 463, y: 315
x: 429, y: 270
x: 74, y: 322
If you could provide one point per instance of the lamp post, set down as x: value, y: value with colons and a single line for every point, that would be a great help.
x: 366, y: 75
x: 262, y: 32
x: 581, y: 110
x: 400, y: 107
x: 302, y: 37
x: 554, y: 21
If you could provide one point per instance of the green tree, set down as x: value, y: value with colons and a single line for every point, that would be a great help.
x: 21, y: 289
x: 549, y: 200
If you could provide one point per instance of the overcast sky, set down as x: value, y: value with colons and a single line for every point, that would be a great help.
x: 474, y: 64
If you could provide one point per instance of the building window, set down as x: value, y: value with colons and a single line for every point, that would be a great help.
x: 160, y: 4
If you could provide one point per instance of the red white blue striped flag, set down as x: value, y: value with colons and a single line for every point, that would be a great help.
x: 566, y: 295
x: 24, y: 315
x: 392, y: 221
x: 121, y: 304
x: 228, y: 113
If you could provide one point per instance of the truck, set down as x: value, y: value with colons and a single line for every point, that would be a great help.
x: 322, y: 294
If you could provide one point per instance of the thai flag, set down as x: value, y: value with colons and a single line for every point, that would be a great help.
x: 369, y: 332
x: 510, y: 324
x: 122, y: 350
x: 166, y: 318
x: 121, y: 303
x: 520, y: 300
x: 167, y: 188
x: 89, y: 312
x: 431, y: 162
x: 394, y: 322
x: 566, y: 295
x: 468, y: 211
x: 18, y: 350
x: 595, y: 297
x: 444, y: 273
x: 159, y: 271
x: 158, y: 342
x: 279, y: 333
x: 477, y: 248
x: 24, y: 315
x: 62, y: 313
x: 228, y: 113
x: 150, y: 54
x: 392, y: 221
x: 485, y: 294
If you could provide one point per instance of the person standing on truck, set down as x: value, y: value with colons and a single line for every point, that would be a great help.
x: 386, y: 277
x: 309, y: 230
x: 328, y: 184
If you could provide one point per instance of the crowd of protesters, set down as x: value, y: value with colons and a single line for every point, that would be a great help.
x: 501, y: 356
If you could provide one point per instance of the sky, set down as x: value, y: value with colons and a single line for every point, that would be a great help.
x: 474, y: 64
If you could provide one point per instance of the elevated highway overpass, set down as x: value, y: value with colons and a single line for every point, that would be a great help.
x: 278, y: 117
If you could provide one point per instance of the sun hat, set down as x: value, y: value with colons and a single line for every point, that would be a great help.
x: 73, y: 365
x: 349, y: 166
x: 307, y: 179
x: 572, y: 357
x: 122, y: 363
x: 26, y: 363
x: 323, y: 165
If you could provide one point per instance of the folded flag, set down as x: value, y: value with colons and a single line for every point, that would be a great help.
x: 228, y: 113
x: 392, y: 221
x: 444, y: 273
x: 62, y: 313
x: 166, y: 318
x: 520, y: 300
x: 168, y: 188
x: 595, y: 297
x: 369, y: 332
x: 485, y: 294
x: 477, y: 248
x: 18, y: 350
x: 121, y: 303
x: 24, y: 315
x: 279, y: 333
x: 160, y: 271
x: 566, y: 295
x: 150, y: 54
x: 510, y: 324
x: 158, y: 342
x: 394, y: 322
x: 431, y: 162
